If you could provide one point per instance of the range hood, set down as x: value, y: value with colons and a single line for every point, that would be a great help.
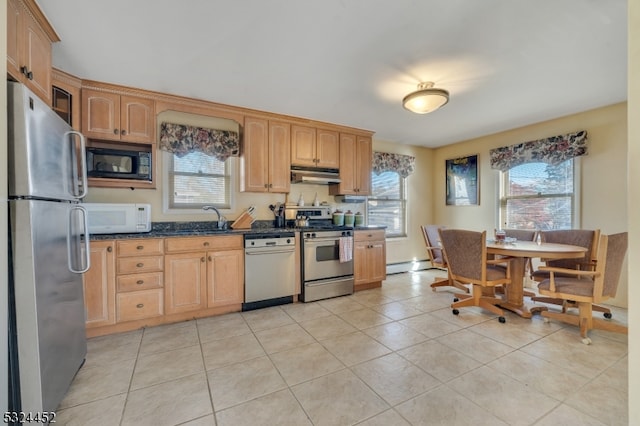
x: 314, y: 175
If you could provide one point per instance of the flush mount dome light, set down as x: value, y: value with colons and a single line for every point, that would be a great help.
x: 426, y: 99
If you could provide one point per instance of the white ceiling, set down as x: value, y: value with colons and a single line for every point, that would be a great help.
x: 506, y: 63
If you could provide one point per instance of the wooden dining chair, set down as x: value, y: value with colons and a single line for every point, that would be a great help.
x: 585, y: 288
x: 588, y: 239
x: 436, y: 257
x: 466, y: 256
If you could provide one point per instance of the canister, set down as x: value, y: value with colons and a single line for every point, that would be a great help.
x: 359, y: 219
x: 349, y: 219
x: 338, y: 218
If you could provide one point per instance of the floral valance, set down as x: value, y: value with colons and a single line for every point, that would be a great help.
x: 552, y: 150
x: 404, y: 165
x: 182, y: 139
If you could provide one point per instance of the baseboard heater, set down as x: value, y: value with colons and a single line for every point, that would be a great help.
x: 411, y: 266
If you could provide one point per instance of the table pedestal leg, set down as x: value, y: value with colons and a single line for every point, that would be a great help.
x: 514, y: 293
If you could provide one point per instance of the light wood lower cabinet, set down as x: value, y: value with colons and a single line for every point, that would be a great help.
x: 199, y: 279
x: 99, y: 284
x: 140, y: 304
x: 369, y: 259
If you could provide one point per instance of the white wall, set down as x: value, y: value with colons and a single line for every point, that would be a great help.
x: 3, y: 219
x: 633, y: 195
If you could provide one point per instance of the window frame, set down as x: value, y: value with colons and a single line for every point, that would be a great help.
x: 167, y: 160
x: 576, y: 211
x: 404, y: 201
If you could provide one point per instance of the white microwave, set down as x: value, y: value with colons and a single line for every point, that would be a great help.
x: 108, y: 218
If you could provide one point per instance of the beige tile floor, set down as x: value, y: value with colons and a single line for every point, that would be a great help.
x: 389, y: 356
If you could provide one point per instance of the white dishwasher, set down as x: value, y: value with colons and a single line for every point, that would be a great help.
x: 269, y: 269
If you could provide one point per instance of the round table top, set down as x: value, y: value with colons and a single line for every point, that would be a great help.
x: 533, y: 249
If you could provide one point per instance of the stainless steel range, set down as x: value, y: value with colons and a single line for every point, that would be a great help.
x: 325, y: 273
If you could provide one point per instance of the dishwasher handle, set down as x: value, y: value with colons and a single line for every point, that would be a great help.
x: 269, y: 251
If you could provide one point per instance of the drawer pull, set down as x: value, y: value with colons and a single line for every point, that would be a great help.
x: 140, y: 282
x: 140, y: 247
x: 206, y: 243
x: 109, y: 249
x: 202, y: 259
x: 209, y: 258
x: 140, y: 265
x: 140, y: 305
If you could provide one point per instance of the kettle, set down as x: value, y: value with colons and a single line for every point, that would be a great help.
x: 302, y: 221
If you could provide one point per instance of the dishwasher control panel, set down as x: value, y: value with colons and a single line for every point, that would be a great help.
x: 269, y: 240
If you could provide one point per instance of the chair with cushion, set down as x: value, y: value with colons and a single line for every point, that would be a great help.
x: 466, y: 256
x: 584, y: 288
x: 578, y: 237
x: 434, y: 251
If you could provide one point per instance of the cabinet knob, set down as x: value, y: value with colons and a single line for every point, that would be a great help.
x: 202, y: 259
x: 123, y: 132
x: 115, y: 131
x: 140, y: 305
x: 140, y: 265
x: 24, y: 70
x: 140, y: 282
x: 209, y: 258
x: 266, y: 185
x: 140, y: 247
x: 206, y: 243
x: 270, y: 185
x: 109, y: 249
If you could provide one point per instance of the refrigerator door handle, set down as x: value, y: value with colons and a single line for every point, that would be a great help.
x: 87, y: 248
x: 83, y: 164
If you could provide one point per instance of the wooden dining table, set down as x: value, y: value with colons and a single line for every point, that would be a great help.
x: 519, y: 251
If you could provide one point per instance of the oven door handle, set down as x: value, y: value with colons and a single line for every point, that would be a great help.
x: 316, y: 241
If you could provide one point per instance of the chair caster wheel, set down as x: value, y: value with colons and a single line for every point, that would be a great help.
x: 502, y: 320
x: 455, y: 312
x: 455, y: 299
x: 607, y: 315
x: 586, y: 341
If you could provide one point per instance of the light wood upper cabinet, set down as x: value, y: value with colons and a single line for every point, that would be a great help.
x: 99, y: 284
x: 29, y: 38
x: 111, y: 116
x: 312, y: 147
x: 265, y: 162
x: 355, y: 159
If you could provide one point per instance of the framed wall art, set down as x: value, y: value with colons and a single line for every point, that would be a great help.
x: 462, y: 181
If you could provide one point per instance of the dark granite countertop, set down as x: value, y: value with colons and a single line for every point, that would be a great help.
x: 194, y: 229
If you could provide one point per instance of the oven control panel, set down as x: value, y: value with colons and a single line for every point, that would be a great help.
x: 326, y: 234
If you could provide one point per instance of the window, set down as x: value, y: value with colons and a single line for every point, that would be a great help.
x: 387, y: 203
x: 539, y: 196
x: 195, y: 180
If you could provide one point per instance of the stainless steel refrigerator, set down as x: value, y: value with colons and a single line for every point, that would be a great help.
x: 47, y: 254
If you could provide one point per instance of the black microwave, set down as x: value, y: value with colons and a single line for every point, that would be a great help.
x: 118, y: 164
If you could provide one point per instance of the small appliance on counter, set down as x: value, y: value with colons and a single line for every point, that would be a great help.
x: 112, y: 218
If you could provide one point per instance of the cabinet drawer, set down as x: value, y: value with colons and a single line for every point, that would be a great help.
x: 218, y: 242
x: 137, y: 305
x: 373, y: 235
x: 136, y: 282
x: 135, y: 265
x: 142, y: 247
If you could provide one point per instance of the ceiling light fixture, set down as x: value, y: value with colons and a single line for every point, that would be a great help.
x: 426, y: 99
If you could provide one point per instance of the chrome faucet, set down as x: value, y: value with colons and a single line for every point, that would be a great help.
x: 222, y: 221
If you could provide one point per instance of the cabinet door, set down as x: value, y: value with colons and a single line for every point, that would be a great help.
x: 303, y: 146
x: 185, y: 282
x: 37, y: 58
x: 255, y: 156
x: 348, y: 172
x: 137, y: 119
x: 328, y: 149
x: 377, y: 261
x: 14, y: 39
x: 360, y: 262
x: 100, y: 115
x: 99, y: 284
x: 363, y: 162
x: 225, y: 277
x: 279, y: 157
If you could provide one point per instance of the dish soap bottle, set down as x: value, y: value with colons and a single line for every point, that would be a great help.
x: 301, y: 200
x: 316, y: 202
